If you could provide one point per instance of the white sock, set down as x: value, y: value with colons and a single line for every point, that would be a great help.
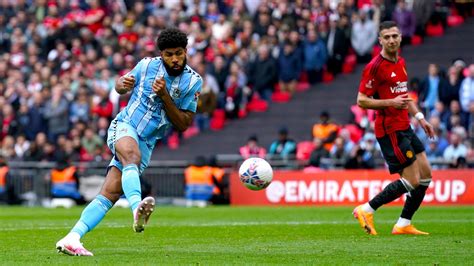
x: 402, y: 222
x: 366, y: 207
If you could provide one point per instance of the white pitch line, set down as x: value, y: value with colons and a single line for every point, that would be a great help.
x: 229, y: 223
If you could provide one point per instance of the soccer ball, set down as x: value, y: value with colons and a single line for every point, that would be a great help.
x: 255, y: 173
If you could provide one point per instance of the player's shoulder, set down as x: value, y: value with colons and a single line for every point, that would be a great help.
x: 191, y: 72
x: 374, y: 65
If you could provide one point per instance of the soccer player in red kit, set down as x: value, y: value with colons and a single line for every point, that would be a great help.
x: 384, y: 88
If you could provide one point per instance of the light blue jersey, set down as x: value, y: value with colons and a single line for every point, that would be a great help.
x: 145, y: 111
x: 144, y: 117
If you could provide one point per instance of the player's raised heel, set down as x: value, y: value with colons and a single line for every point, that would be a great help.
x: 366, y: 220
x: 407, y: 230
x: 142, y: 214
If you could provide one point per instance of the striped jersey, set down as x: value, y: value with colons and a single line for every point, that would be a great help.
x: 385, y: 79
x: 145, y: 111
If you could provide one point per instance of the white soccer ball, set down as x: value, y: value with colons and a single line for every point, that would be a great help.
x: 255, y: 173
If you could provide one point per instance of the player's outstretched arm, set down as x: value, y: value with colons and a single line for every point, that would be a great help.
x: 124, y: 84
x: 180, y: 119
x: 366, y: 102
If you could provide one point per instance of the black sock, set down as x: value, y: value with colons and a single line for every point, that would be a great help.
x: 390, y: 193
x: 414, y: 200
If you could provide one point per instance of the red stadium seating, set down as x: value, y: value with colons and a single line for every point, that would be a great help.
x: 303, y: 150
x: 173, y: 141
x: 302, y: 86
x: 217, y: 120
x: 257, y: 105
x: 327, y: 76
x: 455, y: 20
x: 349, y: 64
x: 434, y: 30
x: 416, y: 40
x: 281, y: 97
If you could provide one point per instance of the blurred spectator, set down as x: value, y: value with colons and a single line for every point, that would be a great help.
x: 56, y: 111
x: 80, y: 108
x: 430, y: 88
x: 283, y: 146
x: 466, y: 93
x: 199, y: 183
x: 220, y: 193
x: 289, y: 67
x: 263, y: 73
x: 360, y: 159
x: 7, y: 189
x: 455, y: 150
x: 364, y: 35
x: 341, y: 149
x: 450, y: 91
x: 65, y: 180
x: 315, y: 57
x: 337, y: 45
x: 325, y: 130
x: 405, y: 19
x: 455, y: 109
x: 90, y: 143
x: 252, y: 149
x: 318, y: 153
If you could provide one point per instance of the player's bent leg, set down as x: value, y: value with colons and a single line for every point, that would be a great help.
x: 142, y: 214
x: 92, y: 215
x: 129, y: 155
x: 414, y: 199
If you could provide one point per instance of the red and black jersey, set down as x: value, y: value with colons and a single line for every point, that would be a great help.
x: 385, y: 79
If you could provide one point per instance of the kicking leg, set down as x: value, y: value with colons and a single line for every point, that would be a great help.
x: 92, y: 215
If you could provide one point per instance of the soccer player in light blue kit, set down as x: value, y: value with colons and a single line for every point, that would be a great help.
x: 164, y: 94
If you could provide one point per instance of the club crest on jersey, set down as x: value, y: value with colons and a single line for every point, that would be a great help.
x: 401, y: 87
x: 393, y: 75
x: 368, y: 85
x: 176, y: 93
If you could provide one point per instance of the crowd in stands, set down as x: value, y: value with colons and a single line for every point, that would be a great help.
x: 59, y: 61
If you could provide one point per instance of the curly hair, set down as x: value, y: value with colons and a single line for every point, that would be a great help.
x: 172, y: 38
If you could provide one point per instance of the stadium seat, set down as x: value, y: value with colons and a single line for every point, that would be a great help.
x: 190, y: 132
x: 328, y: 77
x: 242, y: 113
x: 434, y: 30
x: 281, y: 97
x: 349, y: 64
x: 217, y: 120
x: 303, y: 150
x: 257, y: 105
x: 416, y: 40
x: 173, y: 141
x: 455, y: 20
x: 302, y: 86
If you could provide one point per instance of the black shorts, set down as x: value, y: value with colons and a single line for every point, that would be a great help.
x: 400, y: 148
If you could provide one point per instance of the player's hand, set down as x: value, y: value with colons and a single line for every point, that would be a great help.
x: 401, y: 101
x: 159, y: 87
x: 428, y: 128
x: 128, y: 82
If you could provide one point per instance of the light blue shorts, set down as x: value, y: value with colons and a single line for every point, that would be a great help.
x: 118, y: 130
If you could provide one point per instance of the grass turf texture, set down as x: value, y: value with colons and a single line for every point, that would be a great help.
x: 238, y: 235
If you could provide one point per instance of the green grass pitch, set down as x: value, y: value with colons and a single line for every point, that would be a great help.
x: 240, y: 235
